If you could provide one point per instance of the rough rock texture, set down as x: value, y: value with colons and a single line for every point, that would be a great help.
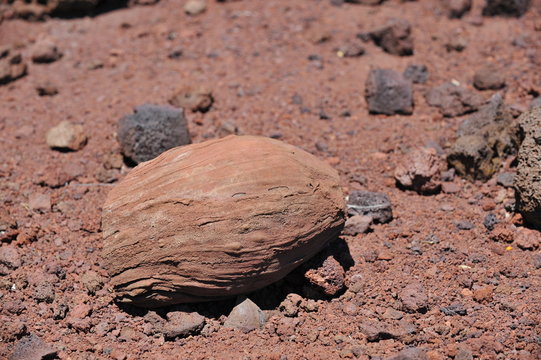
x: 194, y: 98
x: 515, y: 8
x: 453, y: 100
x: 455, y: 9
x: 217, y: 219
x: 388, y: 92
x: 417, y: 73
x: 484, y: 140
x: 151, y: 130
x: 420, y: 171
x: 182, y: 324
x: 373, y: 204
x: 394, y: 37
x: 414, y: 298
x: 489, y: 77
x: 66, y: 136
x: 246, y: 316
x: 32, y: 348
x: 527, y: 181
x: 357, y: 224
x: 326, y: 276
x: 410, y: 354
x: 12, y: 66
x: 45, y: 51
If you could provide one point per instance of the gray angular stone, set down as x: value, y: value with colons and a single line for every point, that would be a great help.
x: 245, y: 316
x: 453, y: 100
x: 388, y: 92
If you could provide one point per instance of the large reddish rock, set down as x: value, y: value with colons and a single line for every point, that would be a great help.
x: 217, y: 219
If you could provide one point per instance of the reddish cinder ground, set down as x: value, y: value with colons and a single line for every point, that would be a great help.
x: 253, y: 55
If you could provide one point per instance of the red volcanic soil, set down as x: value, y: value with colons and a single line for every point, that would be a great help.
x: 434, y: 279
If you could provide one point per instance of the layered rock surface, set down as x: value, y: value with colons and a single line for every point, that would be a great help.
x: 217, y: 219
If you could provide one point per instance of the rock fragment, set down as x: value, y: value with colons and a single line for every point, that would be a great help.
x: 8, y: 226
x: 357, y: 224
x: 291, y: 305
x: 12, y: 66
x: 66, y: 136
x: 485, y: 140
x: 455, y: 9
x: 39, y: 202
x: 420, y: 171
x: 373, y: 204
x: 417, y: 73
x: 453, y: 100
x: 245, y: 316
x: 183, y: 324
x: 454, y: 310
x: 92, y: 281
x: 414, y: 298
x: 151, y: 130
x: 267, y: 216
x: 195, y: 7
x: 527, y: 181
x: 9, y: 259
x: 47, y: 89
x: 412, y: 353
x: 32, y: 348
x: 394, y: 37
x: 326, y: 275
x: 194, y: 98
x: 45, y: 51
x: 488, y: 78
x: 388, y: 92
x: 511, y: 8
x: 527, y: 239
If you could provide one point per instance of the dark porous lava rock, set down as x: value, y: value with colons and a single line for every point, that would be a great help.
x: 527, y: 180
x: 394, y: 37
x: 217, y: 219
x: 417, y: 73
x: 373, y: 204
x: 151, y: 130
x: 484, y: 140
x: 453, y: 100
x: 388, y: 92
x: 514, y: 8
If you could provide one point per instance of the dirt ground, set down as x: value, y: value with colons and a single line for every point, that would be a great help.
x: 255, y: 58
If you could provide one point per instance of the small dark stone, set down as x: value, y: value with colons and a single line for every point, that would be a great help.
x: 512, y: 8
x: 388, y: 92
x: 464, y: 225
x: 394, y: 37
x: 417, y: 73
x: 151, y: 130
x: 506, y: 179
x: 323, y: 115
x: 454, y: 309
x: 373, y: 204
x: 175, y: 53
x: 457, y: 8
x: 314, y: 57
x: 490, y: 221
